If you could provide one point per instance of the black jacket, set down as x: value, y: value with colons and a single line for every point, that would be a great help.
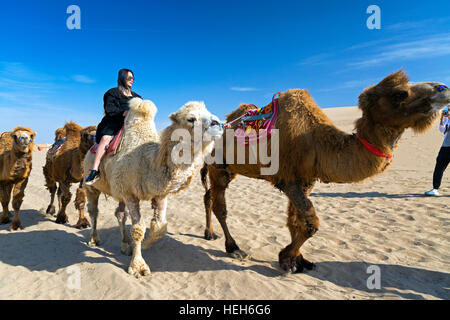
x: 114, y: 104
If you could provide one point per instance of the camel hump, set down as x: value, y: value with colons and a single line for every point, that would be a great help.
x: 143, y: 107
x: 72, y: 127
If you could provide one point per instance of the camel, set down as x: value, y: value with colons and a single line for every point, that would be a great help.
x: 65, y: 167
x: 146, y: 167
x: 16, y: 152
x: 312, y: 148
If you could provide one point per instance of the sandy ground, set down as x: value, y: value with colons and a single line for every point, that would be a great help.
x: 384, y: 221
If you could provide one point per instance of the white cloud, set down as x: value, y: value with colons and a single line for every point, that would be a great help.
x: 436, y: 46
x: 82, y: 79
x: 243, y: 89
x: 316, y: 59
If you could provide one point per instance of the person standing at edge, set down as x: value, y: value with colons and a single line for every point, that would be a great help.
x: 116, y: 108
x: 443, y: 157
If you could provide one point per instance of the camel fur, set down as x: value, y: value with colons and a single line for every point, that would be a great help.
x: 65, y: 167
x: 143, y: 169
x: 16, y: 152
x: 312, y: 148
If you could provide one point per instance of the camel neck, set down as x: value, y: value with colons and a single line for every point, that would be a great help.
x: 382, y: 137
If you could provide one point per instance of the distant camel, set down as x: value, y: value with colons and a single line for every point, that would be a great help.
x: 144, y: 169
x: 65, y: 167
x: 311, y: 148
x: 16, y: 152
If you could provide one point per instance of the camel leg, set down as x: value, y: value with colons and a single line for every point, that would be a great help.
x: 158, y: 225
x: 59, y: 194
x: 18, y: 194
x: 52, y: 187
x: 137, y: 267
x: 5, y: 196
x: 80, y: 201
x: 121, y: 216
x: 61, y: 217
x: 209, y: 231
x: 303, y: 223
x: 51, y: 207
x: 218, y: 187
x: 92, y: 206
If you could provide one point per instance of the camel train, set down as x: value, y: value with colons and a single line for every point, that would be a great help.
x: 143, y: 167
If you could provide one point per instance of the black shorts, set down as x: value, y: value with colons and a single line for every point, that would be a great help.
x: 109, y: 126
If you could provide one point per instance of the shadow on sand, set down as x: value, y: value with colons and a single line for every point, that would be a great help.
x: 51, y: 250
x: 370, y: 195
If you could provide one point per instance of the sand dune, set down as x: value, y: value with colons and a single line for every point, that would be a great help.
x: 384, y: 221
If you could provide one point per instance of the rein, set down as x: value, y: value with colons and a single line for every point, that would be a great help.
x: 374, y: 150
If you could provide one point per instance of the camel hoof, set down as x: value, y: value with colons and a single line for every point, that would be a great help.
x: 296, y: 264
x: 15, y: 225
x: 139, y: 268
x: 93, y: 243
x: 62, y: 219
x: 210, y: 235
x: 126, y: 249
x: 51, y: 210
x: 82, y: 224
x: 239, y: 254
x: 157, y: 231
x: 5, y: 220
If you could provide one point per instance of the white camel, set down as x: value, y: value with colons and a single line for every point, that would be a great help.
x: 147, y: 166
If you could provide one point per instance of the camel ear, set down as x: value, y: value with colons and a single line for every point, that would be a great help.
x: 399, y: 95
x: 173, y: 117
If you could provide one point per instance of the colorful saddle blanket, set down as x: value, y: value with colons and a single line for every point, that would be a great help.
x: 257, y: 124
x: 112, y: 145
x: 55, y: 147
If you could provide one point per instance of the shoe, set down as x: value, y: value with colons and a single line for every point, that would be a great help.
x: 432, y: 192
x: 92, y: 178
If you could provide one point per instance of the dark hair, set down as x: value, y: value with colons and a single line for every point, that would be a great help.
x: 122, y: 79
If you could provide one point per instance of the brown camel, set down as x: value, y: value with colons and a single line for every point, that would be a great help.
x: 311, y: 148
x: 16, y: 151
x: 65, y: 167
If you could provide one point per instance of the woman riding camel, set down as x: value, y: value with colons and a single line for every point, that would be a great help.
x: 116, y: 108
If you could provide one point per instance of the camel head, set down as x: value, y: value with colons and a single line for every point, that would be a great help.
x: 60, y: 134
x: 194, y: 117
x: 88, y: 137
x: 23, y: 139
x: 396, y: 103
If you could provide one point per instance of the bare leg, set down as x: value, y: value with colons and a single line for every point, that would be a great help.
x: 158, y: 225
x: 105, y: 140
x: 303, y: 223
x: 121, y: 216
x: 92, y: 198
x: 137, y: 267
x: 18, y: 194
x: 5, y: 196
x: 80, y: 201
x: 61, y: 217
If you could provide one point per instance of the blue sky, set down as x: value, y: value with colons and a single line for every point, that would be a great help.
x: 221, y: 52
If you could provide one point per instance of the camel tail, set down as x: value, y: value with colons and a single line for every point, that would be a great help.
x: 204, y: 177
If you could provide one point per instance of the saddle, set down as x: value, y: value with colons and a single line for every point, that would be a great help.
x: 112, y: 146
x: 257, y: 123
